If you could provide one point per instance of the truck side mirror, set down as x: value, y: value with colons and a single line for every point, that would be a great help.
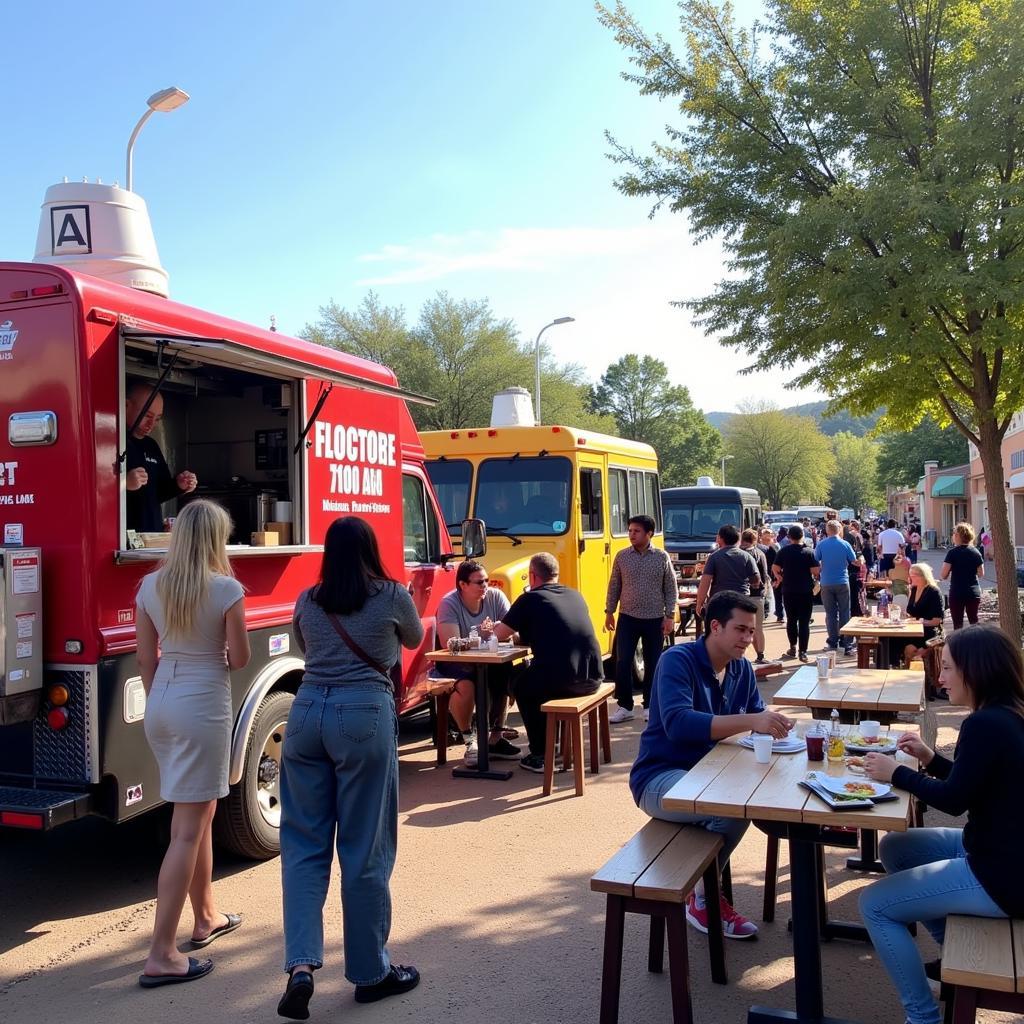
x: 474, y: 538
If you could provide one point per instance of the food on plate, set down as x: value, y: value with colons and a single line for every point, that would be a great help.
x: 856, y: 740
x: 855, y: 765
x: 861, y: 789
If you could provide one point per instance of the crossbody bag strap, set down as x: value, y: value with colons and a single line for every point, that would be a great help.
x: 355, y: 648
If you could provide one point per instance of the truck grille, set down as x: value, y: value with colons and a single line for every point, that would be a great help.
x: 69, y: 755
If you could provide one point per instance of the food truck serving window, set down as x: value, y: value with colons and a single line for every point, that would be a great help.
x: 524, y: 495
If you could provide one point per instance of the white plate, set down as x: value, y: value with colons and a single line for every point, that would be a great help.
x: 836, y: 783
x: 786, y: 746
x: 886, y: 747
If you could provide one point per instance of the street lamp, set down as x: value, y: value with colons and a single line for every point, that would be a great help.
x: 724, y: 457
x: 536, y: 355
x: 165, y: 100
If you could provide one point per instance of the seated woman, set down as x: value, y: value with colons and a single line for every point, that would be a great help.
x: 474, y: 603
x: 900, y: 575
x: 925, y: 604
x: 934, y: 872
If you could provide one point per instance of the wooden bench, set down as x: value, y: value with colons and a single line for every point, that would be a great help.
x: 440, y: 691
x: 983, y: 963
x: 566, y: 715
x: 653, y: 874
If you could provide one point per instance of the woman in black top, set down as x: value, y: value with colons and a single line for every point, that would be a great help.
x: 934, y: 872
x: 965, y: 564
x: 925, y: 604
x: 797, y: 568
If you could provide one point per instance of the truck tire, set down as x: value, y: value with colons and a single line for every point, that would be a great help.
x: 249, y: 817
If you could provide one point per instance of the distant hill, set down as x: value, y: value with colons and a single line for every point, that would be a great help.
x: 858, y: 425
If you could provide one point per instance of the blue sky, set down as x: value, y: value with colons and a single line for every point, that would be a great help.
x: 408, y: 147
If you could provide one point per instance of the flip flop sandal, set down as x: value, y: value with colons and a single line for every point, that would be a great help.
x: 196, y: 969
x: 234, y: 921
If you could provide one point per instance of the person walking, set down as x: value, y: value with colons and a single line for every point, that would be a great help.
x: 190, y: 627
x: 643, y: 587
x: 748, y: 539
x: 891, y: 543
x: 796, y: 569
x: 339, y: 768
x: 963, y: 566
x: 771, y: 548
x: 836, y: 557
x: 728, y: 567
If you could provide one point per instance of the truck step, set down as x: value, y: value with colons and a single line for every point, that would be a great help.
x: 40, y: 809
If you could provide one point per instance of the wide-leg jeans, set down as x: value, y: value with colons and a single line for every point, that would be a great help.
x: 928, y: 878
x: 339, y: 785
x: 835, y: 599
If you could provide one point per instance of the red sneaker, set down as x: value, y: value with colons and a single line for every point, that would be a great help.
x: 734, y: 924
x: 697, y: 912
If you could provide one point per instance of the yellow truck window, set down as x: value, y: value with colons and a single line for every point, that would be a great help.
x: 618, y: 503
x: 525, y: 495
x: 591, y: 506
x: 452, y: 479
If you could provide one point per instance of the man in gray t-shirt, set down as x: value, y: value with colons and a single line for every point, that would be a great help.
x: 728, y: 568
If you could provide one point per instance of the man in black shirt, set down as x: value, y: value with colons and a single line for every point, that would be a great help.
x: 148, y: 481
x: 796, y: 568
x: 554, y: 622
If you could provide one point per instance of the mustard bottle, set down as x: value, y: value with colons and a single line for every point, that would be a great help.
x: 836, y: 748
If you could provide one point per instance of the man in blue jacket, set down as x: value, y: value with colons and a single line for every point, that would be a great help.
x: 703, y: 692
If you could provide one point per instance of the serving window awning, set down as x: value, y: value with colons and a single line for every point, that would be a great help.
x: 949, y: 487
x: 222, y: 352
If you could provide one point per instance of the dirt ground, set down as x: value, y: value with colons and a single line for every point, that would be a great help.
x: 491, y: 903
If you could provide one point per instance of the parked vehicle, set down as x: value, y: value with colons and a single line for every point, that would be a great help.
x: 776, y: 519
x: 693, y: 516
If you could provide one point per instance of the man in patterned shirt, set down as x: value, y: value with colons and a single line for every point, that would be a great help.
x: 643, y: 587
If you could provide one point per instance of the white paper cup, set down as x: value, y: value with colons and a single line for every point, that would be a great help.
x: 762, y: 748
x: 869, y: 729
x: 823, y: 666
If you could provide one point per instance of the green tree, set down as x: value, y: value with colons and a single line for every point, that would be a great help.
x: 785, y: 457
x: 647, y: 407
x: 855, y: 481
x: 903, y: 453
x: 863, y: 173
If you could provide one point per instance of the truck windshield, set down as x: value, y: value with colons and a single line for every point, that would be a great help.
x: 699, y: 520
x: 525, y: 495
x: 451, y: 479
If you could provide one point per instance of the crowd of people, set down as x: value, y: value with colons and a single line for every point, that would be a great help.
x: 339, y: 769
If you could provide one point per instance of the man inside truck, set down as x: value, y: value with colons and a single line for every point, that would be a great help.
x: 148, y: 481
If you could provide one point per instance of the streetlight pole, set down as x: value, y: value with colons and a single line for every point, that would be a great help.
x: 724, y: 457
x: 536, y: 356
x: 164, y: 100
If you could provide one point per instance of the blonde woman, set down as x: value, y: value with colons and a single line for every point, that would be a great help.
x: 966, y: 565
x: 190, y: 623
x: 925, y: 604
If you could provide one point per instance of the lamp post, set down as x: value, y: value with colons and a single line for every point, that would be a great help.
x: 536, y: 355
x: 724, y: 457
x: 165, y: 100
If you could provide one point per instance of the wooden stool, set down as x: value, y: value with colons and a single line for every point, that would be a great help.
x: 653, y: 874
x: 568, y: 713
x: 867, y: 647
x: 440, y: 691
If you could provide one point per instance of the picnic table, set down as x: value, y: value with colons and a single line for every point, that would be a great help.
x: 855, y: 692
x: 906, y: 629
x: 481, y: 658
x: 727, y: 782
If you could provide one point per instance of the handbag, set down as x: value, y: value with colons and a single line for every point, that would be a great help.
x: 357, y: 650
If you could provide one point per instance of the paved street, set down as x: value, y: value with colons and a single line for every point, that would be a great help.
x: 491, y: 902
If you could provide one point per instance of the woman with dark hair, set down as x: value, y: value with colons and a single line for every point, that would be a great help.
x: 934, y: 872
x: 339, y: 768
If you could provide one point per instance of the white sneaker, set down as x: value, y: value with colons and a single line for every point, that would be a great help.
x: 470, y: 760
x: 621, y: 714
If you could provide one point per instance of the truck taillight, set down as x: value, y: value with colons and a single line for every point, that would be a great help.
x: 57, y: 718
x: 18, y: 819
x: 58, y: 695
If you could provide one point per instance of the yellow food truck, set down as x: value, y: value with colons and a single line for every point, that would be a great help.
x: 546, y: 488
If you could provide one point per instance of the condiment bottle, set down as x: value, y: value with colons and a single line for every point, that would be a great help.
x: 883, y: 604
x: 474, y: 637
x: 492, y: 644
x: 835, y: 739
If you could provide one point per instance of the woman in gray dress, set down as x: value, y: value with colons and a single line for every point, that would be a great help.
x: 339, y: 768
x: 190, y: 624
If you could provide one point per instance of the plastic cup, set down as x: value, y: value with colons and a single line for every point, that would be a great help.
x: 815, y: 746
x: 823, y: 666
x: 870, y: 729
x: 762, y: 747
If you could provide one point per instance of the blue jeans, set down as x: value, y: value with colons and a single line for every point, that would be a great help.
x: 730, y: 829
x: 339, y: 782
x: 928, y: 878
x: 835, y: 599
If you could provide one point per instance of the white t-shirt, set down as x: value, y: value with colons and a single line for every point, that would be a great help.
x: 890, y: 541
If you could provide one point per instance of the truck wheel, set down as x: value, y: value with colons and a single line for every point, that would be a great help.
x: 249, y: 817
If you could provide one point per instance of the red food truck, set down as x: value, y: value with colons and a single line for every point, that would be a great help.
x: 271, y: 426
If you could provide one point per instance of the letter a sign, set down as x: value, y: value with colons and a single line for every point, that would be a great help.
x: 70, y: 230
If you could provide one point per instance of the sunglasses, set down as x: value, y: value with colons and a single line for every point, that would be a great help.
x: 479, y: 583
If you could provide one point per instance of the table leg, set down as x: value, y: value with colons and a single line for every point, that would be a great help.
x: 483, y: 733
x: 868, y: 859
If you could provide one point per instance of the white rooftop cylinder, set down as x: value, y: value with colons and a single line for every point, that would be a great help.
x: 512, y: 408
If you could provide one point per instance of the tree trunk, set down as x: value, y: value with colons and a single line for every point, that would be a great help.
x: 990, y: 451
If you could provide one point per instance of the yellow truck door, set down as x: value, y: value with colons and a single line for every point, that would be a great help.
x: 593, y: 543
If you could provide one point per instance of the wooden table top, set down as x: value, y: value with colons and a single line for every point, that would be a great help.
x: 877, y: 584
x: 481, y: 656
x: 908, y: 629
x: 853, y: 689
x: 728, y: 782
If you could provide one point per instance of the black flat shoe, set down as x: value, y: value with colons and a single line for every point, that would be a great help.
x: 295, y: 1001
x: 398, y: 980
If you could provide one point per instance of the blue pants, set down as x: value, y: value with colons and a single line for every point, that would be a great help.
x: 339, y: 784
x: 730, y: 829
x: 928, y: 878
x: 628, y: 632
x: 835, y: 599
